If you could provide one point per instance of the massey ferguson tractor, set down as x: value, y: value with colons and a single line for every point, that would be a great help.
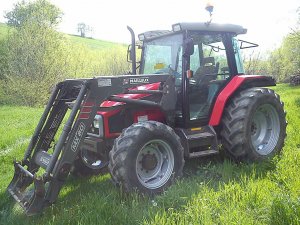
x: 186, y: 97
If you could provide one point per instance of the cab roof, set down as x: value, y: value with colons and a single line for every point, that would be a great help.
x: 232, y: 28
x: 214, y: 27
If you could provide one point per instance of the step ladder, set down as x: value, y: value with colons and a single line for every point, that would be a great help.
x: 199, y: 142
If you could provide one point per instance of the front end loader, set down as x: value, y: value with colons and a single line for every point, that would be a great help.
x: 33, y: 188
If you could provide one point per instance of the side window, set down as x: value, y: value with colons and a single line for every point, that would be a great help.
x: 216, y: 51
x: 195, y: 59
x: 239, y: 61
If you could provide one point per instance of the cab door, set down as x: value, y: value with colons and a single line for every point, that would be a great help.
x: 210, y: 71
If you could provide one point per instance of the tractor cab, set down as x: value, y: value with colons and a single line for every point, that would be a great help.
x: 203, y: 57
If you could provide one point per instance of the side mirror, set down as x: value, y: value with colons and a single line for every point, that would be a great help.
x: 129, y: 53
x: 188, y: 47
x: 247, y: 44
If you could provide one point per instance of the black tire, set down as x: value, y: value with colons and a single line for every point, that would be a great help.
x: 147, y: 146
x: 84, y: 168
x: 253, y: 125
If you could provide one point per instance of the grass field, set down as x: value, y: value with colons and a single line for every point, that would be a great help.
x: 91, y: 43
x: 212, y: 191
x: 94, y: 43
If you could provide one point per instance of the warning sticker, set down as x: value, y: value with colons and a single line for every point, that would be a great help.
x: 104, y: 82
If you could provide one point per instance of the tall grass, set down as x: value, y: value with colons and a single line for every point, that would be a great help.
x: 213, y: 190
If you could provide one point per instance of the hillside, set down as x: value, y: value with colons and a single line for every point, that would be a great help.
x: 94, y: 44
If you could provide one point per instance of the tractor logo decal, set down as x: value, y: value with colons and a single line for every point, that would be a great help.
x: 143, y: 80
x: 78, y: 136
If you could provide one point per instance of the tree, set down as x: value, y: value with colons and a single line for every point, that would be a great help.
x: 81, y: 28
x: 36, y: 54
x: 39, y: 12
x: 84, y: 29
x: 284, y: 61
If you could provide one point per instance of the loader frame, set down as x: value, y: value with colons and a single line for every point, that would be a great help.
x: 88, y: 94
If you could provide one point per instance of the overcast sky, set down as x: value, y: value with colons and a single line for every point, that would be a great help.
x: 267, y: 21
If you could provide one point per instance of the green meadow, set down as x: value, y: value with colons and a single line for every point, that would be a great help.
x: 213, y: 190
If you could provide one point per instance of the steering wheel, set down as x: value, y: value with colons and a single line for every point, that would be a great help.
x: 174, y: 72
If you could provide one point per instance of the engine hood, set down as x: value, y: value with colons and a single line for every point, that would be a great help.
x: 154, y: 86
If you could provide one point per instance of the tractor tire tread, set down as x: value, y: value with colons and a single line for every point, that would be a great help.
x: 119, y: 151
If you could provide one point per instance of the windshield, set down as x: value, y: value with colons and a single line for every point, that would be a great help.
x: 162, y: 54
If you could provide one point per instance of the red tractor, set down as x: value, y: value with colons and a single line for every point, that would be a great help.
x: 190, y: 97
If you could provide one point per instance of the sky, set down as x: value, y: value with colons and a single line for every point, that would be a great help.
x: 267, y: 21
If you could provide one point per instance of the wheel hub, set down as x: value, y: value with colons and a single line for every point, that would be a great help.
x: 265, y: 127
x: 154, y: 164
x: 253, y: 128
x: 149, y: 161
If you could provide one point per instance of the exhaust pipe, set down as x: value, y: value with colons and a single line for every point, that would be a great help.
x: 132, y: 50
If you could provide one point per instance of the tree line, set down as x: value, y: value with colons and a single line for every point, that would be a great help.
x: 34, y: 56
x: 283, y: 62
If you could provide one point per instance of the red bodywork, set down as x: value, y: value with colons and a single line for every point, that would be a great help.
x: 148, y: 114
x: 225, y: 94
x: 156, y: 114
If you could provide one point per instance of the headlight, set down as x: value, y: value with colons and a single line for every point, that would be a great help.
x: 98, y: 121
x: 97, y: 127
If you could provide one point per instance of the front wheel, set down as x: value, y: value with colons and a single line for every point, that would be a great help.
x: 89, y: 163
x: 146, y: 157
x: 254, y: 125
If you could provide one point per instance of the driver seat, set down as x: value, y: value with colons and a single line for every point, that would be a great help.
x: 207, y: 72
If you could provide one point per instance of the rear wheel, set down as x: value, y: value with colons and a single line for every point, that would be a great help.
x: 254, y: 125
x: 146, y: 157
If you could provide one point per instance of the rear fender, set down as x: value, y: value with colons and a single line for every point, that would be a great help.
x: 237, y: 83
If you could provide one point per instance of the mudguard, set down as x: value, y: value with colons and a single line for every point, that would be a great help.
x: 239, y: 81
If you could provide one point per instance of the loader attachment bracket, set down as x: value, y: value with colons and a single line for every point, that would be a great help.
x: 30, y: 197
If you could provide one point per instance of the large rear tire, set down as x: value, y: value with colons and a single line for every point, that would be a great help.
x: 254, y: 125
x: 146, y: 157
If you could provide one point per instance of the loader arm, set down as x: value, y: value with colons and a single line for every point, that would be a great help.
x: 88, y: 95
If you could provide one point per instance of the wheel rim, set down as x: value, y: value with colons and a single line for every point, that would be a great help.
x: 154, y: 164
x: 92, y: 160
x: 265, y: 129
